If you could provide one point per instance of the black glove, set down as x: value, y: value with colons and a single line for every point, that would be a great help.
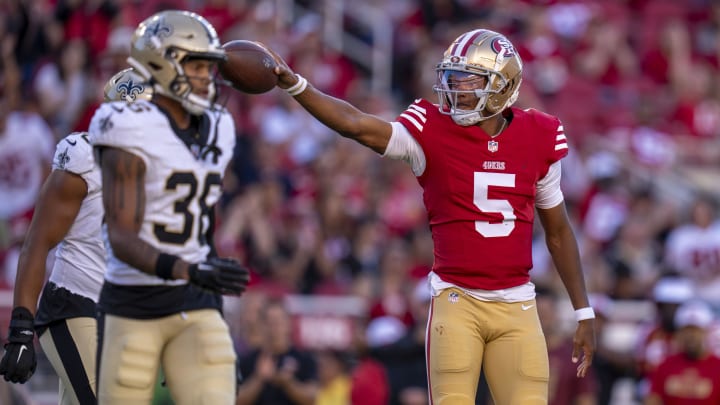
x: 18, y: 363
x: 220, y: 275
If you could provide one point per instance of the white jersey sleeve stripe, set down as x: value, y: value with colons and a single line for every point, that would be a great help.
x: 413, y: 121
x: 419, y: 109
x: 417, y: 114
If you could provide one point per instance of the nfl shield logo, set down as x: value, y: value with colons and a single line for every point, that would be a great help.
x: 492, y: 146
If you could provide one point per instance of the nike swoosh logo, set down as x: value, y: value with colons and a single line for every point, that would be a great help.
x: 526, y: 307
x: 22, y: 348
x: 73, y: 143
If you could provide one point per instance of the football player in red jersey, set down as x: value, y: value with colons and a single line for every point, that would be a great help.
x: 485, y: 168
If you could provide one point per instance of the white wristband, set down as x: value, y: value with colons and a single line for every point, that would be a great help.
x: 584, y: 313
x: 298, y: 87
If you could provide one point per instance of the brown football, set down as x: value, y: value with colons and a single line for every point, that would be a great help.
x: 249, y: 67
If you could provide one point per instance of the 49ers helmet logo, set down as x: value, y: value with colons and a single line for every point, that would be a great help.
x: 503, y: 47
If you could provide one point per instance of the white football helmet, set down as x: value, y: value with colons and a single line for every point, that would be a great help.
x: 127, y: 85
x: 479, y: 65
x: 163, y: 42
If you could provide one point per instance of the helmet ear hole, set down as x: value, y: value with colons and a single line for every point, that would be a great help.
x: 507, y: 88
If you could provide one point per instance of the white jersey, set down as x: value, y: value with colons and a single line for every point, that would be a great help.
x: 182, y: 183
x: 80, y: 257
x: 26, y: 147
x: 694, y: 252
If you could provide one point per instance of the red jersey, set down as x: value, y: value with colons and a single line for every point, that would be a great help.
x: 479, y: 192
x: 681, y: 381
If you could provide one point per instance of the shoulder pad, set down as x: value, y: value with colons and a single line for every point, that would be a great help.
x: 74, y: 154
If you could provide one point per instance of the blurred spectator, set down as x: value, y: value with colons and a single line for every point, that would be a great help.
x: 394, y: 272
x: 606, y: 204
x: 657, y: 340
x: 610, y: 363
x: 333, y: 378
x: 369, y: 380
x: 62, y: 87
x: 542, y: 54
x: 89, y: 20
x: 244, y: 320
x: 301, y: 138
x: 330, y: 71
x: 667, y: 53
x: 223, y: 14
x: 605, y: 55
x: 26, y: 150
x: 404, y: 356
x: 277, y: 372
x: 692, y: 249
x: 31, y: 32
x: 634, y: 256
x: 689, y: 377
x: 697, y: 108
x: 564, y: 387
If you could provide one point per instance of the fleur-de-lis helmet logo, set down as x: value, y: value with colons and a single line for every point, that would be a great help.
x: 129, y: 90
x: 158, y: 30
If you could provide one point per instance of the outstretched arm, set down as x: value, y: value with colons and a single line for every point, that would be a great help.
x: 59, y: 202
x: 336, y: 114
x: 563, y: 247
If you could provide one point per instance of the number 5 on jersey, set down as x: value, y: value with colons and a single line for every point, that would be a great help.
x: 483, y: 181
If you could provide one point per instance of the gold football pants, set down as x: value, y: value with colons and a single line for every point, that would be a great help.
x: 71, y: 347
x: 194, y: 348
x: 466, y: 335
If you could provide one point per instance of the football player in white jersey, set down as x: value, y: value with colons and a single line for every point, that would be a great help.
x: 68, y: 214
x: 162, y: 165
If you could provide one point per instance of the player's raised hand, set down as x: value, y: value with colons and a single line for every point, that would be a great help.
x: 220, y: 275
x: 286, y: 76
x: 584, y: 346
x: 18, y: 363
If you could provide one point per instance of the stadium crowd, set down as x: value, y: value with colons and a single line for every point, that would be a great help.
x: 635, y: 83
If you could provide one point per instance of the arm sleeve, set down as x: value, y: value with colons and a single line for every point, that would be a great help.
x: 549, y: 194
x: 403, y: 146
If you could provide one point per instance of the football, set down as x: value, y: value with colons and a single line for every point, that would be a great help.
x: 249, y: 67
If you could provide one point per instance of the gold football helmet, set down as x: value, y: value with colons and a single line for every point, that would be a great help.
x: 127, y: 85
x: 479, y: 77
x: 163, y: 42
